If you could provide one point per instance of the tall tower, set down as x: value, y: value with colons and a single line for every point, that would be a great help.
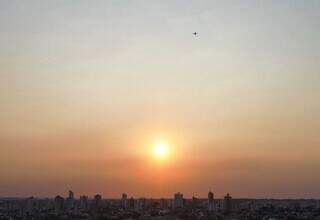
x: 178, y: 200
x: 84, y: 202
x: 210, y: 201
x: 131, y: 203
x: 70, y: 201
x: 71, y: 195
x: 124, y: 201
x: 97, y: 202
x: 59, y: 205
x: 228, y: 203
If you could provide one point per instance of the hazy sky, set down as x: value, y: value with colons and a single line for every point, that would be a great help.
x: 88, y: 87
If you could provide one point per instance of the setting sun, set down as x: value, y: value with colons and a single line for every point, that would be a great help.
x: 160, y: 149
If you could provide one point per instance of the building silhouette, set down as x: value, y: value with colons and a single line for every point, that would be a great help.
x: 97, y: 202
x: 178, y: 200
x: 70, y: 201
x: 59, y: 205
x: 228, y: 203
x: 84, y: 202
x: 131, y: 203
x: 124, y: 201
x: 211, y: 202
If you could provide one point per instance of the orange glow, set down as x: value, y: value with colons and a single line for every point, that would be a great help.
x: 161, y: 150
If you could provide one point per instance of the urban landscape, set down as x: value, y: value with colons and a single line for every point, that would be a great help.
x: 176, y: 208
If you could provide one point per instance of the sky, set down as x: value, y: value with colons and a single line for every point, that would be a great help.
x: 87, y: 88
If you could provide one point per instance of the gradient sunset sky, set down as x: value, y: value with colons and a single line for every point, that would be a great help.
x: 88, y: 87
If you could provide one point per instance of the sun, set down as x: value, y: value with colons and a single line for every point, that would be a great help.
x: 160, y: 150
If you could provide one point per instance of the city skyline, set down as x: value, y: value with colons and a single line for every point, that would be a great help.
x: 126, y: 207
x: 169, y: 197
x: 155, y: 97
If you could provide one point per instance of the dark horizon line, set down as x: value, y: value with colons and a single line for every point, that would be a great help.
x: 159, y: 198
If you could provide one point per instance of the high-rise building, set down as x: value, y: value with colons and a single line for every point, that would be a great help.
x: 124, y: 201
x: 210, y: 201
x: 84, y: 202
x: 195, y: 202
x: 228, y: 203
x: 71, y: 195
x: 131, y: 203
x: 70, y: 201
x: 178, y: 200
x: 59, y: 205
x: 97, y: 201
